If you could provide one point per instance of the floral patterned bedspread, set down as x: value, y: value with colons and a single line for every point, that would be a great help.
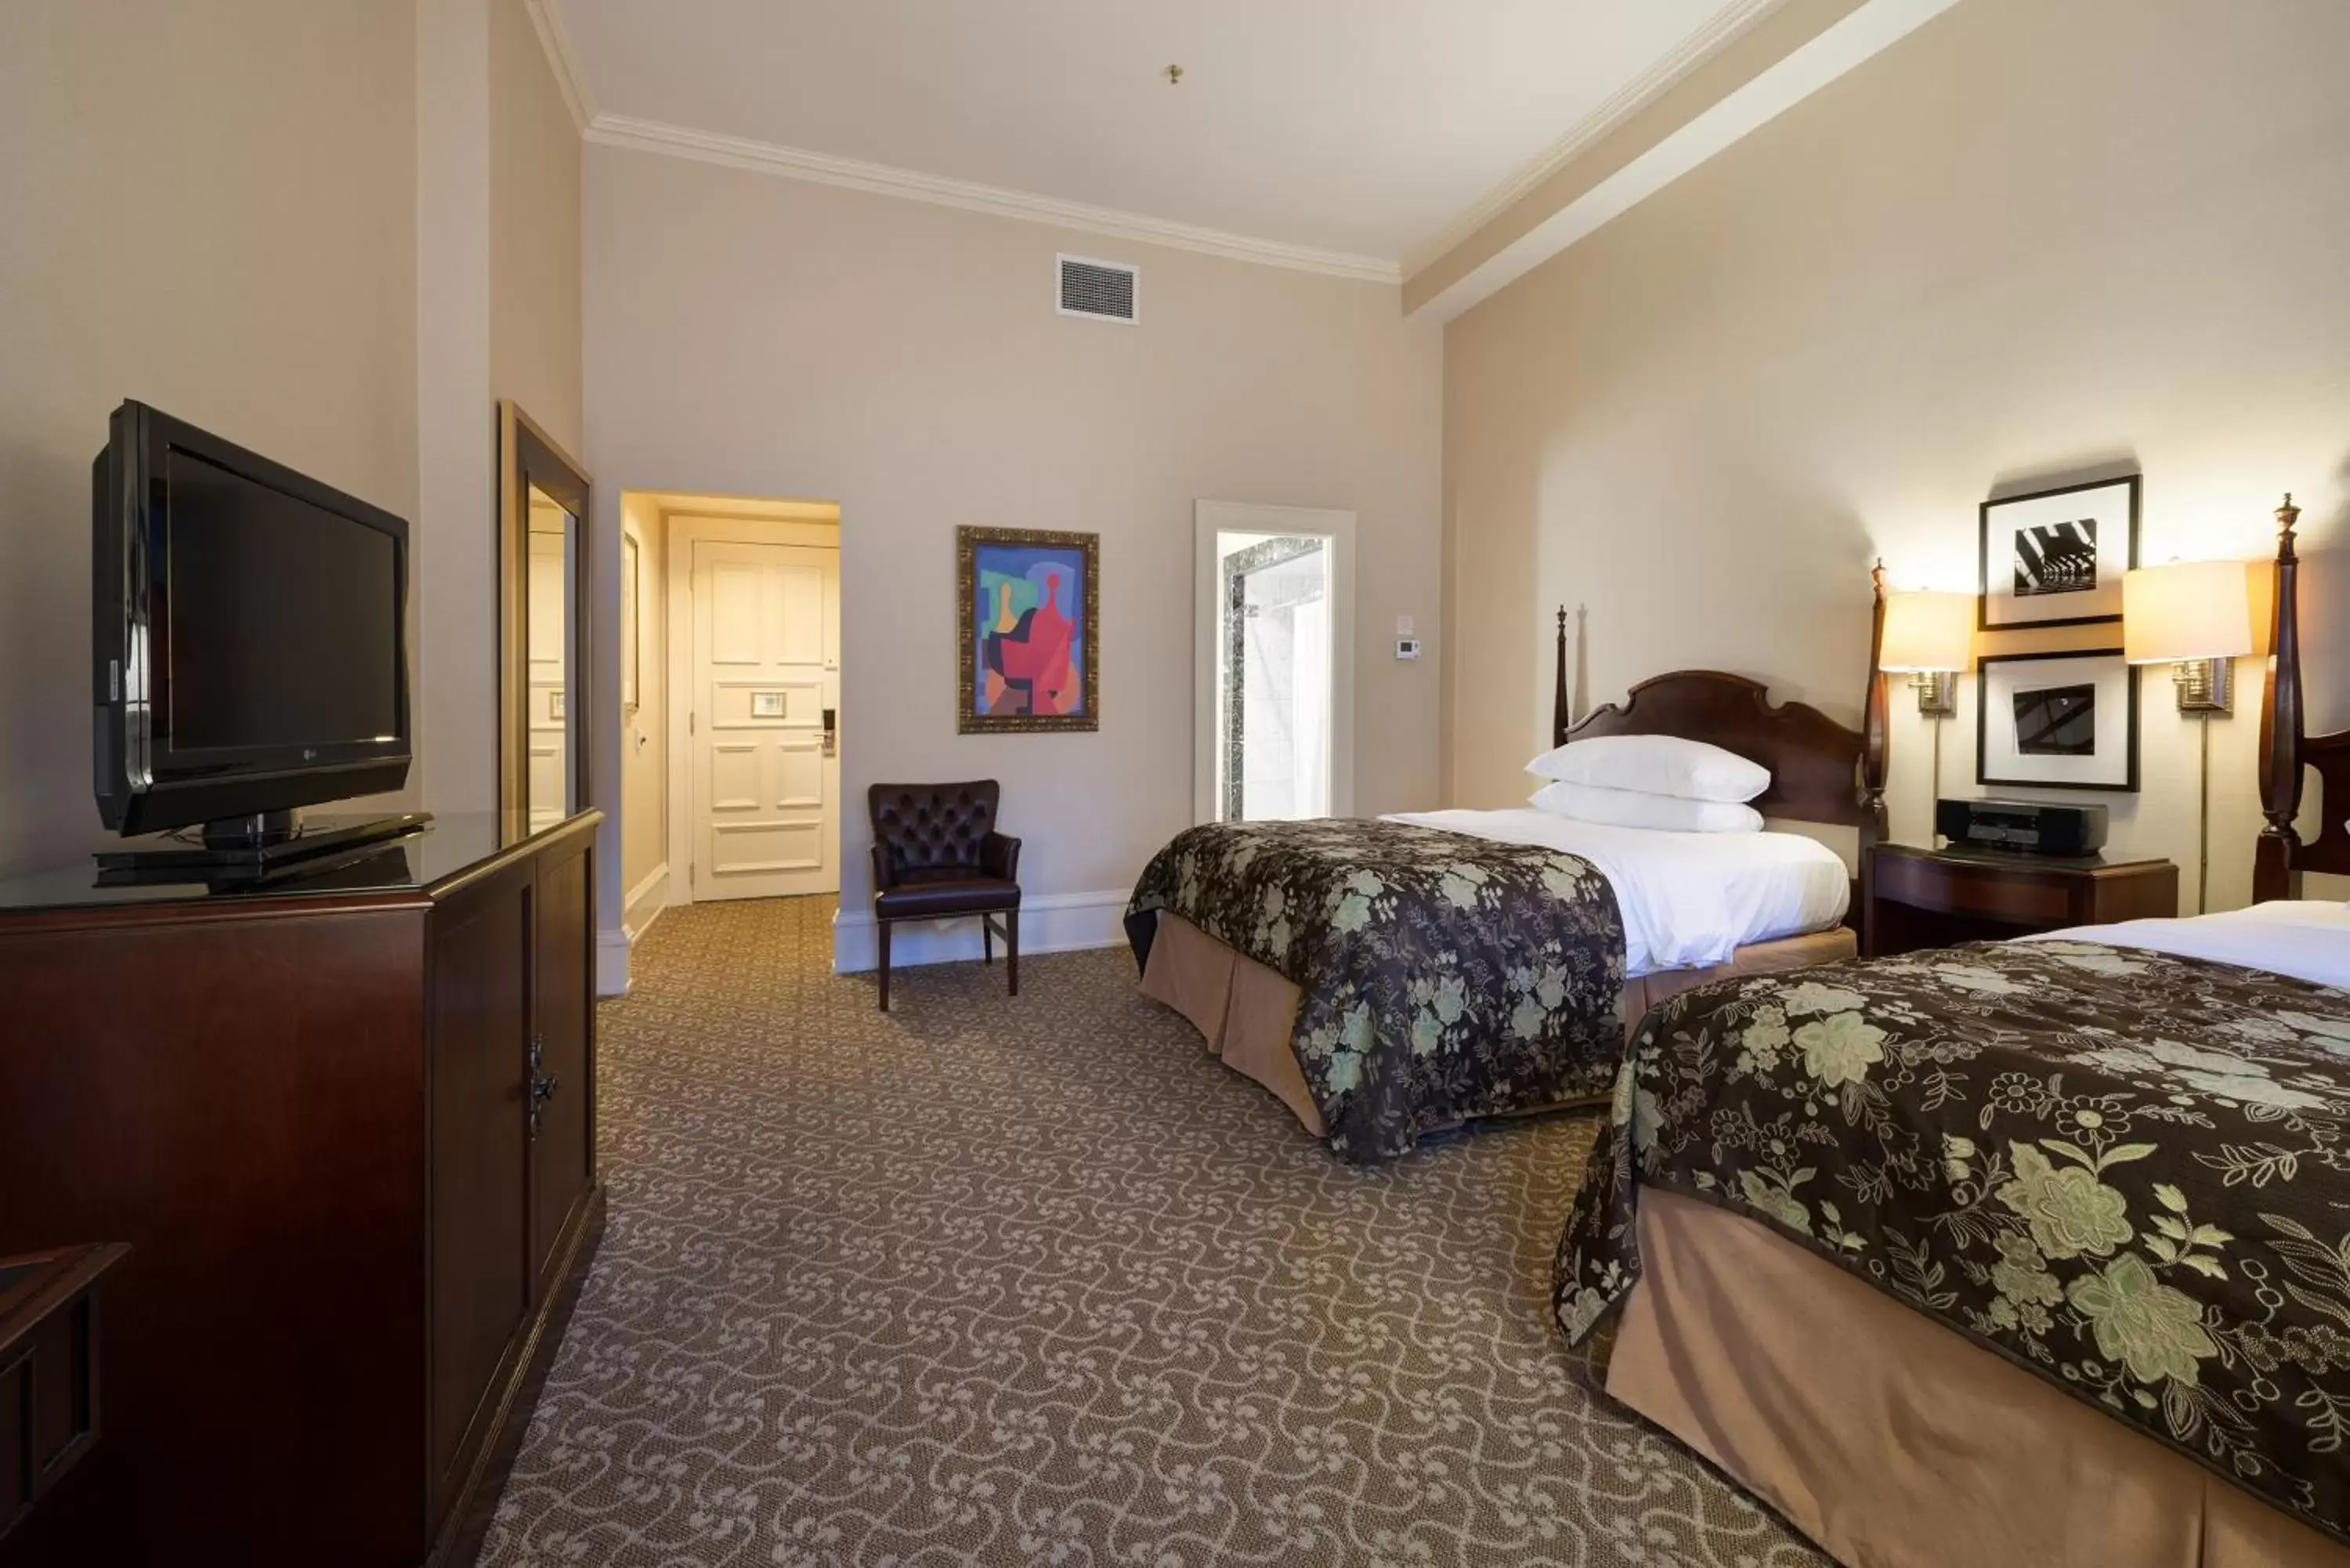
x: 2123, y: 1171
x: 1441, y: 977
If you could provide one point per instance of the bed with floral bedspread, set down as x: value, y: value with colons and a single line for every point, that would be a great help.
x: 1442, y: 977
x: 2125, y: 1172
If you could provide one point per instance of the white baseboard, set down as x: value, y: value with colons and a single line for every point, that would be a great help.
x: 644, y: 903
x: 611, y: 963
x: 1049, y: 923
x: 639, y: 910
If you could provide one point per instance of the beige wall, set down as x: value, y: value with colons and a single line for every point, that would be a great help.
x: 456, y: 548
x: 210, y: 209
x: 750, y: 336
x: 644, y: 742
x: 2032, y: 240
x: 534, y: 231
x: 498, y: 286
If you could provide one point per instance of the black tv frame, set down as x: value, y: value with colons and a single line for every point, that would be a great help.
x: 144, y: 784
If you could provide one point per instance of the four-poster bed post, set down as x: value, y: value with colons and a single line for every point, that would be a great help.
x: 2287, y: 750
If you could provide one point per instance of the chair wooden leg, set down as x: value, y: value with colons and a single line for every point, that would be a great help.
x: 881, y: 935
x: 1011, y: 948
x: 986, y: 940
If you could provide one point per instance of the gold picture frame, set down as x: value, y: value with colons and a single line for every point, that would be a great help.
x: 1036, y: 641
x: 528, y: 459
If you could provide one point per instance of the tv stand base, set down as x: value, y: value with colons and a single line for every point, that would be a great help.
x: 265, y: 842
x: 258, y: 831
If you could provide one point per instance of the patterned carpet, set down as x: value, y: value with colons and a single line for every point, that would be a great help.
x: 1008, y: 1282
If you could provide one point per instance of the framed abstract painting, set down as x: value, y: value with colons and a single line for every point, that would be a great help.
x: 1030, y: 613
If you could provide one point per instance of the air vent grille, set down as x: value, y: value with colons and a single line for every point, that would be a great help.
x: 1102, y: 290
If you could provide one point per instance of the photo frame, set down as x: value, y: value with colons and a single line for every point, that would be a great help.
x: 2055, y: 557
x: 2058, y: 721
x: 1028, y: 614
x: 630, y: 653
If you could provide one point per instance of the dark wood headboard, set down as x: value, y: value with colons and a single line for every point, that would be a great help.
x: 1821, y: 772
x: 2286, y: 749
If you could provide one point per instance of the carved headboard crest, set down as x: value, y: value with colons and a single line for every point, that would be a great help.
x: 1821, y: 770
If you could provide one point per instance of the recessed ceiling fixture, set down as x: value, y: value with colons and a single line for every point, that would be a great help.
x: 1174, y: 76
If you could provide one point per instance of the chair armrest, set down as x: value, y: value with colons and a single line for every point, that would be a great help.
x: 882, y: 878
x: 999, y: 855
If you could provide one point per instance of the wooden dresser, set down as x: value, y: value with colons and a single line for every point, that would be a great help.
x: 346, y: 1126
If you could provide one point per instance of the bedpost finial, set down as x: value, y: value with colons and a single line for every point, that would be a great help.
x: 1562, y: 617
x: 2287, y: 515
x: 1877, y: 576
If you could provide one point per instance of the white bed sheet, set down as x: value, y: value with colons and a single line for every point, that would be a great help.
x: 1689, y: 900
x: 2307, y: 939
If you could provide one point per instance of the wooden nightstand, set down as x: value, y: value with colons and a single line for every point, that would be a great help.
x: 1913, y: 897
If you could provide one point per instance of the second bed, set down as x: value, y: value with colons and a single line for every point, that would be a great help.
x: 1499, y: 958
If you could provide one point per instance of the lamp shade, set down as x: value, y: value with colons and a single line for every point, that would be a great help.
x: 2186, y: 610
x: 1927, y: 631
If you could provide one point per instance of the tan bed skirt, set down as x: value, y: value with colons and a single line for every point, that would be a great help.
x: 1894, y: 1442
x: 1246, y: 1012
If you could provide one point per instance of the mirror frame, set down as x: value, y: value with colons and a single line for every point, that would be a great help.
x: 528, y: 457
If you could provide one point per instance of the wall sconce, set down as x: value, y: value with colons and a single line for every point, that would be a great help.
x: 1929, y: 638
x: 2196, y: 616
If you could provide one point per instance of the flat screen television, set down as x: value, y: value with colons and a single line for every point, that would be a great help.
x: 250, y: 637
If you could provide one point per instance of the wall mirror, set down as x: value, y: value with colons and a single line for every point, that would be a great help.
x: 543, y: 639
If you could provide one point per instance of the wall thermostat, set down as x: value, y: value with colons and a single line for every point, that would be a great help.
x: 1406, y: 647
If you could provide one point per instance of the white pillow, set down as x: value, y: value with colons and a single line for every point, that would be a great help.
x: 1633, y: 809
x: 1655, y: 764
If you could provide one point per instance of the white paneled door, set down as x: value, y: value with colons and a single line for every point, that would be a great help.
x: 766, y: 670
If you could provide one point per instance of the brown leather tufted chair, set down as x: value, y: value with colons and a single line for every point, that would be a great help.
x: 937, y: 856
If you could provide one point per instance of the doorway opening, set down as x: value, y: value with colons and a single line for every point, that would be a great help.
x: 1273, y: 732
x: 731, y: 766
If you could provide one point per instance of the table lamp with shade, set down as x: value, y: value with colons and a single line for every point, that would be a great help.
x: 2197, y: 617
x: 1930, y: 637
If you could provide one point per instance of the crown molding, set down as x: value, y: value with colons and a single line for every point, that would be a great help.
x: 1723, y: 27
x: 546, y: 21
x: 823, y: 169
x: 1871, y: 27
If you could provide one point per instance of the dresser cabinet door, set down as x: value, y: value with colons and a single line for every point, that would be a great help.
x: 563, y: 1126
x: 481, y: 1288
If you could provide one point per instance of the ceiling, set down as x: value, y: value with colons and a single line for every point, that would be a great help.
x: 1374, y: 129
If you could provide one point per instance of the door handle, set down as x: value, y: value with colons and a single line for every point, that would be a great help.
x: 543, y: 1083
x: 831, y: 741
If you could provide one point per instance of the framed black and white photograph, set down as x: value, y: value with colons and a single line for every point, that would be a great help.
x: 2058, y: 721
x: 2056, y: 558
